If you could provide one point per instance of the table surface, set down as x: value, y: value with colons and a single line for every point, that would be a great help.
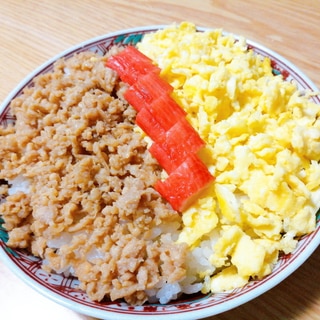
x: 32, y: 31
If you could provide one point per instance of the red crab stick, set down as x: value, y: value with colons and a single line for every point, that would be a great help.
x: 163, y: 112
x: 173, y: 147
x: 175, y: 142
x: 130, y: 64
x: 147, y: 89
x: 184, y: 184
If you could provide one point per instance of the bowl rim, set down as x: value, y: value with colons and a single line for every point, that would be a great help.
x: 268, y: 283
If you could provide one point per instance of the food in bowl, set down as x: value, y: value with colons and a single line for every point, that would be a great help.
x: 79, y: 178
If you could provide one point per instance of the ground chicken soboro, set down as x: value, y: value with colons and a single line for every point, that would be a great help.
x: 89, y: 205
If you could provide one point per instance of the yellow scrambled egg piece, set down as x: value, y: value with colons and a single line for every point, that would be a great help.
x: 263, y: 147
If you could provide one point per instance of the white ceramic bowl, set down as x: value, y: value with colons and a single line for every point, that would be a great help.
x: 63, y: 289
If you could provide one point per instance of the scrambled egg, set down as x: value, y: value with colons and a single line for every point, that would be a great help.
x: 263, y: 147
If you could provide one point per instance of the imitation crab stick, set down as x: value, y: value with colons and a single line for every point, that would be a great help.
x: 172, y: 147
x: 184, y: 184
x: 146, y: 89
x: 175, y: 142
x: 130, y: 64
x: 164, y: 111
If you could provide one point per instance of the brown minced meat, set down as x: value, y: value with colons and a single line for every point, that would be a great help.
x: 91, y: 183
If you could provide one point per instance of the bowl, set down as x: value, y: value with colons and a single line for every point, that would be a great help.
x: 63, y: 289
